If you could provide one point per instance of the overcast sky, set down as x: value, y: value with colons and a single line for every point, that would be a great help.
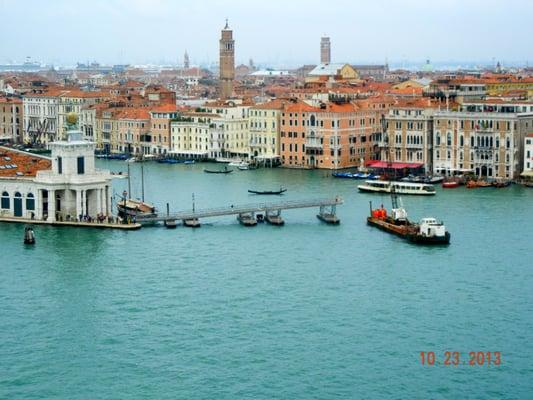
x: 274, y: 32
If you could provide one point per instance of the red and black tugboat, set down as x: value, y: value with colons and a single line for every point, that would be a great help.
x: 428, y: 231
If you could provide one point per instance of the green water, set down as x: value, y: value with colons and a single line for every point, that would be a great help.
x: 303, y: 311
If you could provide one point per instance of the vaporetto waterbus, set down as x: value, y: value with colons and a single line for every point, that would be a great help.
x: 423, y: 189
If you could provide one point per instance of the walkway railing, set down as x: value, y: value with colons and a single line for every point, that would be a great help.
x: 246, y: 208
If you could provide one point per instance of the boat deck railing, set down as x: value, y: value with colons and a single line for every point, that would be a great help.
x: 246, y: 209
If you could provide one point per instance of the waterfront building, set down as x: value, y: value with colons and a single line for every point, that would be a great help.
x: 264, y: 123
x: 410, y: 133
x: 133, y: 131
x: 235, y: 125
x: 66, y: 186
x: 45, y: 112
x: 483, y: 137
x: 528, y: 156
x: 325, y: 50
x: 72, y: 101
x: 227, y: 62
x: 40, y: 117
x: 329, y: 136
x: 11, y: 119
x: 198, y: 135
x: 159, y: 136
x: 87, y: 122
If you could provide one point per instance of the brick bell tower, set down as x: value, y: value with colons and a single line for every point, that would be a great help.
x: 227, y: 62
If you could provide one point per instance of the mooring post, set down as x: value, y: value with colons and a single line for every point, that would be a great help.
x: 168, y: 209
x: 370, y: 208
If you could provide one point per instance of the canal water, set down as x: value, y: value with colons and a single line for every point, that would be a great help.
x: 303, y: 311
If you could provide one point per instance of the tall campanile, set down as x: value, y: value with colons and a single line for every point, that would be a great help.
x: 227, y: 62
x: 325, y: 50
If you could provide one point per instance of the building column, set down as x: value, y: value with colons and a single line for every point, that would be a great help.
x: 98, y: 201
x: 84, y: 202
x: 107, y: 201
x: 52, y: 205
x: 39, y: 204
x: 78, y: 204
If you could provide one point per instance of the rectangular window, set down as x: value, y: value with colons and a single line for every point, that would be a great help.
x: 59, y: 165
x: 81, y: 165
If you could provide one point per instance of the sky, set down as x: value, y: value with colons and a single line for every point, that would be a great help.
x: 277, y: 33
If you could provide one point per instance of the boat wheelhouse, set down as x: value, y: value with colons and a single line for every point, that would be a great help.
x: 399, y: 187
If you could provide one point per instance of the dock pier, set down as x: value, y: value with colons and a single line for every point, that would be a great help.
x: 245, y: 213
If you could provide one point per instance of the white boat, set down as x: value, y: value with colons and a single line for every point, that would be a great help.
x: 131, y: 159
x: 399, y: 187
x: 236, y: 163
x: 223, y: 160
x: 243, y: 166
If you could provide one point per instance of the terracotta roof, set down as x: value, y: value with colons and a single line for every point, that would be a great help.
x: 414, y: 103
x: 132, y: 113
x: 276, y: 104
x: 300, y: 106
x: 14, y: 163
x: 13, y: 100
x: 164, y: 108
x: 62, y: 92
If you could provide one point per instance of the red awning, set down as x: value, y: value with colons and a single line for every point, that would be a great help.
x: 393, y: 165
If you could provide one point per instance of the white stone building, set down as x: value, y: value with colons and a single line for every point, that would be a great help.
x: 65, y: 187
x: 528, y: 156
x: 198, y: 136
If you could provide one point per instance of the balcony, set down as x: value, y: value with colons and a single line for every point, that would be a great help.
x: 314, y: 143
x: 254, y: 144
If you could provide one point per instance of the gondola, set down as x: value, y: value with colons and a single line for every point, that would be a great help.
x: 281, y: 191
x: 224, y: 171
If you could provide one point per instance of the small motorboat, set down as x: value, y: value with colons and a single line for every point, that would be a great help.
x: 267, y: 192
x: 171, y: 223
x: 119, y: 175
x: 235, y: 163
x: 343, y: 175
x: 501, y: 184
x: 214, y: 171
x: 243, y: 166
x: 131, y: 160
x: 191, y: 223
x: 189, y: 162
x: 450, y: 184
x: 168, y: 161
x: 246, y: 219
x: 29, y: 235
x: 478, y: 184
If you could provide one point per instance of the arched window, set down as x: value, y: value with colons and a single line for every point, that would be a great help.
x: 438, y: 139
x: 312, y: 119
x: 5, y: 200
x: 461, y: 141
x: 30, y: 202
x: 449, y: 139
